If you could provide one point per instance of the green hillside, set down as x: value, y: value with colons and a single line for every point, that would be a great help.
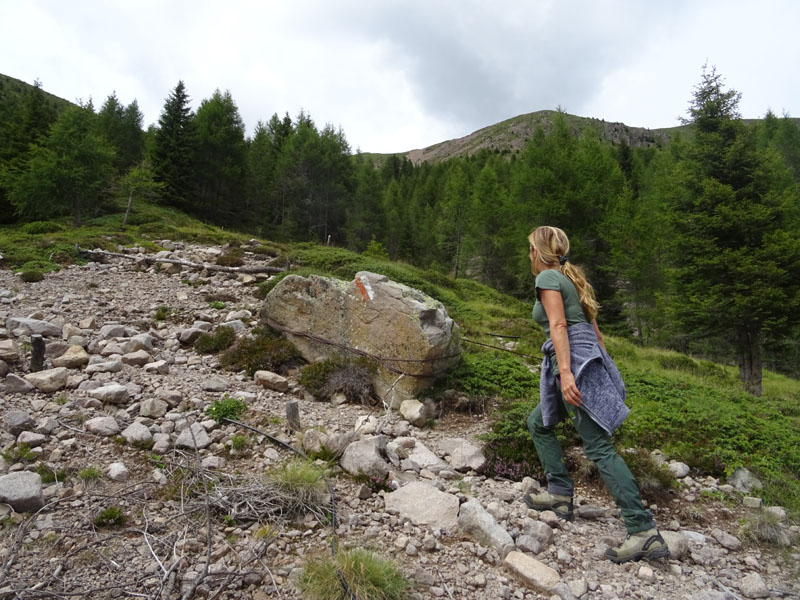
x: 693, y: 410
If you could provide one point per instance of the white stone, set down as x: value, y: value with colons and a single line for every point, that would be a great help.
x: 112, y: 393
x: 271, y: 381
x: 531, y: 572
x: 136, y: 433
x: 424, y: 505
x: 193, y: 436
x: 118, y: 472
x: 105, y: 426
x: 51, y: 380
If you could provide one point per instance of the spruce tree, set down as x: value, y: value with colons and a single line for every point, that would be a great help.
x: 173, y: 151
x: 736, y: 244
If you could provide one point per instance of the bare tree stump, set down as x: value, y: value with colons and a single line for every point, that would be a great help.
x: 37, y: 352
x: 293, y: 415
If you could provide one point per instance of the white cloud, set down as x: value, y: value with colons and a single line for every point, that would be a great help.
x: 397, y: 76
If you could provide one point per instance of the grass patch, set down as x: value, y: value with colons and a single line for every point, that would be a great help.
x: 764, y: 528
x: 222, y: 338
x: 90, y: 474
x: 50, y: 475
x: 111, y: 518
x: 368, y: 575
x: 302, y: 485
x: 226, y: 408
x: 20, y: 453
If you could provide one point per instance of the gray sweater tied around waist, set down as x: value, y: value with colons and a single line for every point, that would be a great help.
x: 596, y: 375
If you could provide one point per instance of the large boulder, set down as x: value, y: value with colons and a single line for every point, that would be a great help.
x: 409, y: 330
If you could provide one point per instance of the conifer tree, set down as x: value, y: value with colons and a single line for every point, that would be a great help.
x: 735, y: 221
x: 173, y: 152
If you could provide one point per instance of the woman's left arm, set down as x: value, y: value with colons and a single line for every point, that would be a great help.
x: 554, y: 307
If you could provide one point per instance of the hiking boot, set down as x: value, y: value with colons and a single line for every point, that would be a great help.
x: 644, y: 544
x: 561, y: 505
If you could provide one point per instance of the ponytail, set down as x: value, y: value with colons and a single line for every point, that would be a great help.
x: 552, y: 247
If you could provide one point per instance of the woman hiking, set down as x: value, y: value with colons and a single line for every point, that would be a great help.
x: 580, y: 381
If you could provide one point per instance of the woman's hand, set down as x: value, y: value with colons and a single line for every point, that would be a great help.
x: 569, y: 389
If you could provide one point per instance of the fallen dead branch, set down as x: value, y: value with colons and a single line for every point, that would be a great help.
x: 99, y: 256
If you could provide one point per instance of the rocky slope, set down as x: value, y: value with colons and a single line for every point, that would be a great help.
x: 124, y: 425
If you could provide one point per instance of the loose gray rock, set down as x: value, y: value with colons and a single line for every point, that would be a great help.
x: 531, y: 572
x: 414, y: 412
x: 75, y: 357
x: 677, y: 544
x: 423, y: 504
x: 136, y: 433
x: 753, y: 586
x: 136, y: 359
x: 271, y: 381
x: 214, y: 384
x: 678, y: 469
x: 366, y: 457
x: 189, y: 336
x: 22, y: 491
x: 112, y: 393
x: 590, y: 512
x: 14, y: 384
x: 475, y: 521
x: 153, y: 407
x: 22, y: 326
x: 31, y: 439
x: 160, y: 366
x: 118, y: 472
x: 111, y: 330
x: 193, y: 436
x: 541, y: 534
x: 463, y: 455
x: 109, y: 366
x: 725, y: 539
x: 9, y: 352
x: 4, y: 368
x: 105, y: 426
x: 744, y: 481
x: 51, y: 380
x: 17, y: 421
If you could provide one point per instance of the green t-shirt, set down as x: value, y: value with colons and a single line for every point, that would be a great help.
x: 552, y: 279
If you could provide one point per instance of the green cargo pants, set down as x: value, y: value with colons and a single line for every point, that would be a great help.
x: 598, y: 447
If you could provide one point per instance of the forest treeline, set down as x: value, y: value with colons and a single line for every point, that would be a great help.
x: 692, y: 245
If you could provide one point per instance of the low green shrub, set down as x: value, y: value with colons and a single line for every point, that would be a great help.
x: 36, y: 227
x: 162, y: 312
x: 222, y: 338
x: 50, y: 475
x: 351, y: 377
x: 367, y: 575
x: 226, y: 408
x: 31, y: 275
x: 265, y: 351
x: 111, y: 517
x: 494, y: 374
x: 655, y: 480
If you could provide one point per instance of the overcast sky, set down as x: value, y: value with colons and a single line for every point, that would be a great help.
x: 396, y: 76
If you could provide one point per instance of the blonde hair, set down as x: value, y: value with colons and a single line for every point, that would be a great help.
x: 552, y: 247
